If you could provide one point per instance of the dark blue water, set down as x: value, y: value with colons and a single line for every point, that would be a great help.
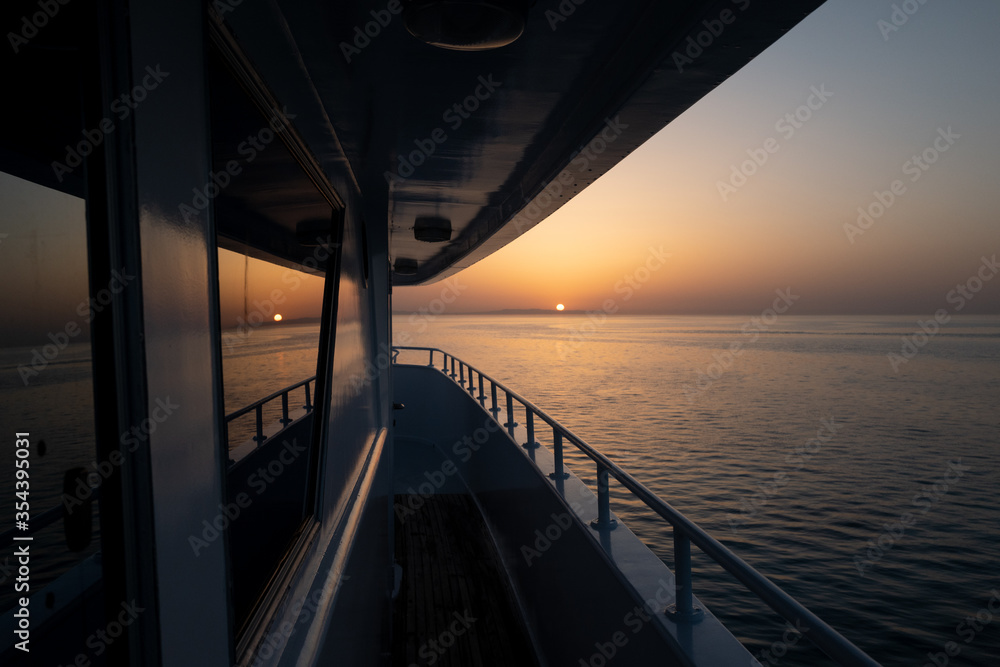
x: 866, y: 491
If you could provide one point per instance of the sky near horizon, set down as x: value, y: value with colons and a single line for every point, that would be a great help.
x: 899, y: 119
x: 757, y: 188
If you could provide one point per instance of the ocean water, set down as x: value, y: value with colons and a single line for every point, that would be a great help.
x: 867, y: 489
x: 260, y: 361
x: 55, y: 407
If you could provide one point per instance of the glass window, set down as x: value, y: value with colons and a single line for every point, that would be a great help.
x: 46, y: 390
x: 271, y: 222
x: 270, y: 317
x: 50, y: 474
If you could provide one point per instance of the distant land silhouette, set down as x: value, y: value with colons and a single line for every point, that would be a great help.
x: 271, y: 323
x: 512, y: 311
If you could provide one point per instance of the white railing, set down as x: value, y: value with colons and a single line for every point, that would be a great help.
x: 685, y: 531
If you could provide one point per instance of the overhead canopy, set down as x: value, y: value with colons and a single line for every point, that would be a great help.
x: 477, y: 147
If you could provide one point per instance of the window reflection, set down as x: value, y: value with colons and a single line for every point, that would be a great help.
x: 46, y: 391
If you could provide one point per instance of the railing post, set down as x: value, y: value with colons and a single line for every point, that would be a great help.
x: 557, y: 450
x: 683, y: 610
x: 453, y: 368
x: 510, y: 415
x: 259, y: 438
x: 493, y: 390
x: 257, y: 408
x: 530, y: 444
x: 603, y: 520
x: 430, y: 358
x: 461, y: 374
x: 482, y: 394
x: 472, y: 386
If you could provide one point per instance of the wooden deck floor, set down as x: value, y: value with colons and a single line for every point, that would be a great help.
x: 453, y: 608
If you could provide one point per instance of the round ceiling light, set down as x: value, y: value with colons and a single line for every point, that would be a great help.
x: 405, y: 266
x: 466, y: 25
x: 432, y: 229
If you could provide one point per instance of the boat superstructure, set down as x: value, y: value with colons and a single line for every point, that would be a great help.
x: 337, y: 140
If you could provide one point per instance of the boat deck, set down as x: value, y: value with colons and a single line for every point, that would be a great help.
x: 454, y: 607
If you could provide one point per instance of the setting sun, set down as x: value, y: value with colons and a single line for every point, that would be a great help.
x: 560, y: 307
x: 277, y: 317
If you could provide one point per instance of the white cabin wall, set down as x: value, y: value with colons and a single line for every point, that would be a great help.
x: 360, y: 408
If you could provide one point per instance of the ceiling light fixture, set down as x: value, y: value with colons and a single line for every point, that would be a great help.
x: 432, y: 229
x: 405, y: 266
x: 466, y: 25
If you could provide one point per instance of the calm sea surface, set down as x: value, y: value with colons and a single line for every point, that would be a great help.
x: 260, y: 363
x: 868, y: 492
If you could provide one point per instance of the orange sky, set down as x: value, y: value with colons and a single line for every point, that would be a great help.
x: 270, y: 289
x: 662, y: 233
x: 882, y: 102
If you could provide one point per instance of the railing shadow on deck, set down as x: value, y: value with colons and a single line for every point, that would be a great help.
x: 685, y: 531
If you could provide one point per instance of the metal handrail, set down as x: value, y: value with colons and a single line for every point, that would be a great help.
x: 686, y: 532
x: 258, y: 406
x: 54, y: 514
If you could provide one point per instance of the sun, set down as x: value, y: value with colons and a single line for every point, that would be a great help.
x: 277, y: 317
x: 560, y: 307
